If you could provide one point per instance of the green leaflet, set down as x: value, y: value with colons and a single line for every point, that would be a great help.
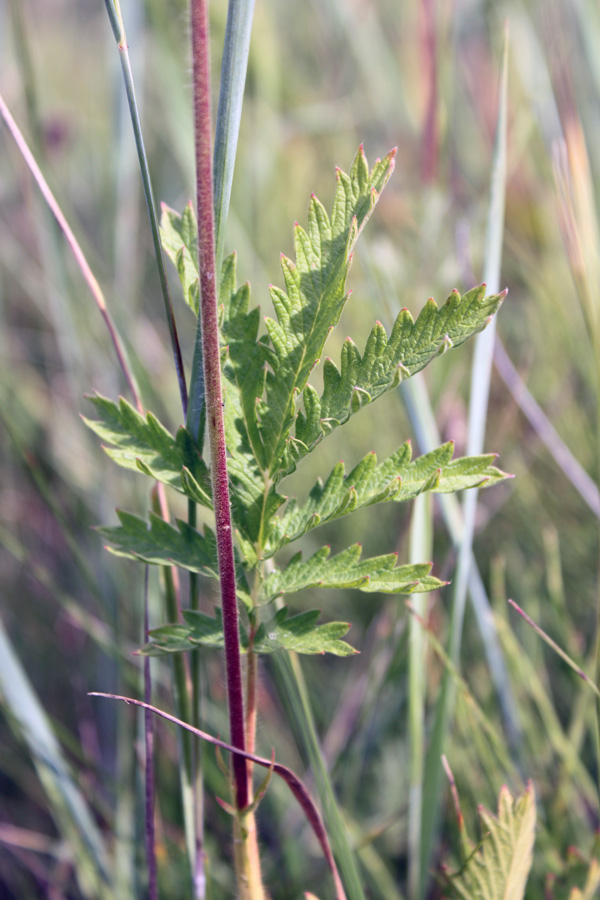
x: 345, y: 570
x: 145, y: 445
x: 396, y: 478
x: 283, y: 632
x: 159, y: 543
x: 179, y: 237
x: 500, y: 868
x: 162, y: 544
x: 302, y: 634
x: 385, y: 362
x: 199, y: 630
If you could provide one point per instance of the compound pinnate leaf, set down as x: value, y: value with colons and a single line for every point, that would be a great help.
x: 345, y: 570
x: 145, y: 445
x: 179, y: 237
x: 386, y: 361
x: 499, y: 869
x: 397, y: 478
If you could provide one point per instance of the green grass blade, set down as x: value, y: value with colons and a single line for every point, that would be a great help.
x: 480, y: 380
x: 421, y: 414
x: 113, y: 9
x: 231, y: 95
x: 289, y: 671
x: 421, y: 540
x: 69, y: 808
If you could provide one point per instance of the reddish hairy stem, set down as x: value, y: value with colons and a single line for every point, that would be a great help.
x: 212, y: 376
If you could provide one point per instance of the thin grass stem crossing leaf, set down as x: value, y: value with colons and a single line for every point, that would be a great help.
x: 159, y: 543
x: 145, y: 445
x: 345, y: 570
x: 398, y: 478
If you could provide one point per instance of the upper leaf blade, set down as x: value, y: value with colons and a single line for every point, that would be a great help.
x: 314, y: 297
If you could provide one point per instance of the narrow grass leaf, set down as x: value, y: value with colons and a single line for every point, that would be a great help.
x: 480, y: 380
x: 67, y: 805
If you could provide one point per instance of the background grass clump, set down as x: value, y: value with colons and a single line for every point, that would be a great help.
x: 322, y: 78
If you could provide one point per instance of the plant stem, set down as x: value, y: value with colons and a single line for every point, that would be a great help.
x: 113, y: 8
x: 199, y: 872
x: 149, y: 767
x: 252, y: 855
x: 181, y: 695
x: 209, y: 335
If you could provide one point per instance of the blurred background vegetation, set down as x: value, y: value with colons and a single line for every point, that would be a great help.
x: 323, y: 77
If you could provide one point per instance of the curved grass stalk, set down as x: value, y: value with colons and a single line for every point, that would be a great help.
x: 291, y: 779
x: 78, y: 253
x: 49, y: 240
